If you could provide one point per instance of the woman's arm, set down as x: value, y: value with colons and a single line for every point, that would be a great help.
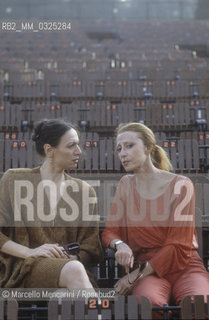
x: 46, y: 250
x: 7, y: 245
x: 115, y: 233
x: 14, y: 249
x: 124, y: 254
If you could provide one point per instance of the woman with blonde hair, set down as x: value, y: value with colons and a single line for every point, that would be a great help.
x: 151, y: 223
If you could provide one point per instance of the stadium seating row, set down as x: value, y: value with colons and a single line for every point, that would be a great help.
x: 106, y: 115
x: 123, y: 309
x: 109, y: 89
x: 103, y: 69
x: 186, y: 155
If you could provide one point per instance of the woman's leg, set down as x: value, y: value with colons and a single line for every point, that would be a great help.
x: 191, y: 284
x: 158, y: 290
x: 73, y: 275
x: 193, y: 281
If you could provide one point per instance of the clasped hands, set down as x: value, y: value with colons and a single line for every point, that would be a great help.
x: 124, y: 256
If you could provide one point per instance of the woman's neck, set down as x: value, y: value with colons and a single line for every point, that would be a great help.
x: 148, y: 177
x: 148, y: 171
x: 49, y: 172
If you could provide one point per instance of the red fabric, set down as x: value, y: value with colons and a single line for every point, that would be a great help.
x: 169, y: 245
x: 193, y: 280
x: 174, y: 239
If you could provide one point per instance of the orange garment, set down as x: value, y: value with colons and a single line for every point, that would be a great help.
x: 175, y: 238
x: 193, y: 280
x: 155, y: 223
x: 161, y: 231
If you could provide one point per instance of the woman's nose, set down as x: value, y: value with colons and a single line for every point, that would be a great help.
x: 122, y: 152
x: 78, y: 150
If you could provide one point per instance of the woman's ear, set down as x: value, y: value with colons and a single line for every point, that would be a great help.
x: 147, y: 151
x: 49, y: 150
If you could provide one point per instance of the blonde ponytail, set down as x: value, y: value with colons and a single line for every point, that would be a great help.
x: 160, y: 159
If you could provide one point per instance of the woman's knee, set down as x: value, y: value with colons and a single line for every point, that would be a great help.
x: 72, y: 273
x: 75, y: 267
x: 191, y: 284
x: 156, y: 289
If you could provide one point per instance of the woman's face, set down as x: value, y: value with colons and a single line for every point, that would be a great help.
x: 66, y: 154
x: 131, y: 151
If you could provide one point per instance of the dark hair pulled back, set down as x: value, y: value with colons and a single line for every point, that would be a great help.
x: 49, y: 131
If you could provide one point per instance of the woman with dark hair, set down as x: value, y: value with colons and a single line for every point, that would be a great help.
x: 151, y: 223
x: 44, y: 209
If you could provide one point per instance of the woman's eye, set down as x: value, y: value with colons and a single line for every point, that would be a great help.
x: 129, y: 145
x: 118, y: 149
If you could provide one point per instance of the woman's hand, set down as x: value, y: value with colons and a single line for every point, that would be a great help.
x: 122, y: 287
x: 125, y: 284
x: 47, y: 250
x: 70, y: 257
x: 124, y: 256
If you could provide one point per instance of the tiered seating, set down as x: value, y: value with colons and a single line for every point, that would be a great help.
x: 99, y: 154
x: 17, y: 152
x: 123, y: 309
x: 80, y: 309
x: 184, y: 154
x: 99, y: 85
x: 144, y: 73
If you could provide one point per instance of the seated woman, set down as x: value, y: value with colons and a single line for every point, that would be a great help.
x: 44, y: 208
x: 151, y: 222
